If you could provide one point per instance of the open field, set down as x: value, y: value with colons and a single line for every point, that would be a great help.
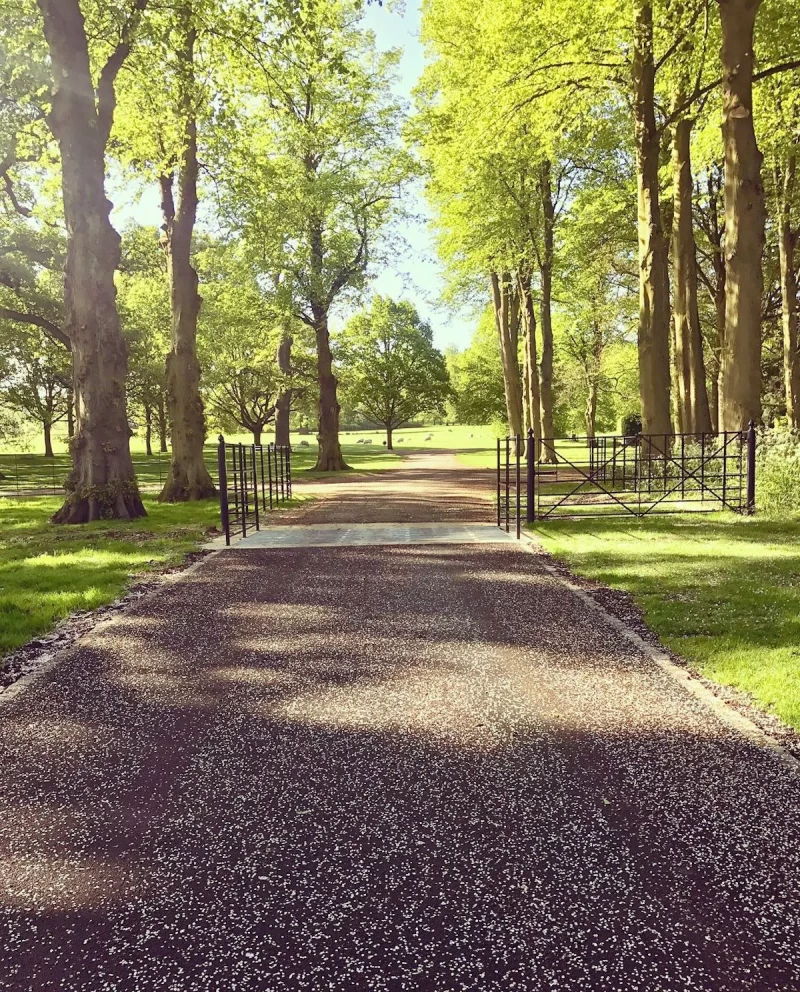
x: 722, y: 592
x: 33, y: 472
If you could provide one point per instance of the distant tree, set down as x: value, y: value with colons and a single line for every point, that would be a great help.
x: 36, y: 382
x: 476, y: 376
x: 390, y: 370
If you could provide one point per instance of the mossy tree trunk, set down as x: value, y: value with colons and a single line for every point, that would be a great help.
x: 654, y: 322
x: 506, y: 312
x: 787, y: 240
x: 188, y: 478
x: 691, y: 393
x: 546, y: 288
x: 102, y: 482
x: 744, y: 220
x: 283, y: 405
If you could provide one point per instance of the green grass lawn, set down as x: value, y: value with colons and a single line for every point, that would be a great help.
x: 48, y: 572
x: 723, y: 591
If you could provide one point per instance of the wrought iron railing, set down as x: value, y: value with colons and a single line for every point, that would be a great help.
x: 253, y: 479
x: 635, y: 475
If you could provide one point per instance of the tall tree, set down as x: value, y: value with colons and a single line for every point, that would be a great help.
x: 102, y: 483
x: 654, y: 382
x: 744, y: 219
x: 188, y: 477
x: 321, y: 171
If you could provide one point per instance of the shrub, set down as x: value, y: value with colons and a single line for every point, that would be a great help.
x: 778, y: 470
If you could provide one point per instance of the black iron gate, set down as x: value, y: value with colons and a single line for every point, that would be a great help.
x: 634, y: 475
x: 253, y: 479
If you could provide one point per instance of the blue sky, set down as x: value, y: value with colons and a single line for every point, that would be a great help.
x: 415, y: 275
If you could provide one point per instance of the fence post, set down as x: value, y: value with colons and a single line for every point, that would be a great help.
x: 245, y: 492
x: 751, y: 468
x: 223, y: 490
x: 508, y: 482
x: 498, y: 482
x: 530, y: 481
x: 289, y: 470
x: 269, y: 472
x: 255, y: 488
x: 518, y: 446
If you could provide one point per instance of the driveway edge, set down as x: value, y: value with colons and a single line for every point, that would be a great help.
x: 47, y: 662
x: 725, y: 713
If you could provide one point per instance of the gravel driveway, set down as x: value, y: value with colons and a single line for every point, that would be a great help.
x: 385, y: 768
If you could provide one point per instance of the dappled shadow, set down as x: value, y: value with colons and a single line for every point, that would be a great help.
x: 384, y: 768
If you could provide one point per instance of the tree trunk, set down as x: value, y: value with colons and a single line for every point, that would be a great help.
x: 329, y: 458
x: 256, y: 435
x: 188, y: 477
x: 654, y: 374
x: 148, y: 430
x: 546, y: 278
x: 786, y: 245
x: 532, y: 385
x: 162, y: 424
x: 47, y: 429
x: 284, y: 403
x: 389, y: 445
x: 102, y: 482
x: 590, y: 412
x: 692, y: 396
x: 70, y: 414
x: 506, y: 310
x: 714, y: 403
x: 744, y: 219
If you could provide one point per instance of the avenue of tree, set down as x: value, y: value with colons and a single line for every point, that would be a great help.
x: 581, y: 154
x: 613, y: 186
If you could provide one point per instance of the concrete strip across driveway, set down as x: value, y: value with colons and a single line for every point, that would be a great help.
x: 357, y: 535
x: 385, y: 768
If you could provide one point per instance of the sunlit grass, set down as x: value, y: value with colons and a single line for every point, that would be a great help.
x: 48, y: 572
x: 723, y: 591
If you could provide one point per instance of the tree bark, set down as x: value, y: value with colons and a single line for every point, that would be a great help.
x: 389, y: 445
x: 329, y: 458
x: 532, y: 385
x: 744, y: 219
x: 163, y: 426
x: 47, y: 429
x: 256, y: 435
x: 590, y: 412
x: 102, y: 482
x: 188, y: 477
x: 70, y: 414
x: 654, y: 373
x: 506, y: 310
x: 148, y: 430
x: 786, y: 244
x: 546, y: 278
x: 284, y: 403
x: 692, y: 395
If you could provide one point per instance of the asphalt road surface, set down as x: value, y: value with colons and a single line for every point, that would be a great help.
x: 385, y: 768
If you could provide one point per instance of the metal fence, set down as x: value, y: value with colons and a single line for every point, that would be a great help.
x: 253, y: 479
x: 636, y: 475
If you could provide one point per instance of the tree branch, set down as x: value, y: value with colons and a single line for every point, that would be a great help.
x: 46, y: 325
x: 106, y: 97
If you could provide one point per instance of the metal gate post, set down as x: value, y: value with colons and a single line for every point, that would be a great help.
x: 255, y: 487
x: 223, y: 490
x: 517, y: 447
x: 289, y: 470
x: 530, y: 480
x: 508, y: 483
x: 498, y: 482
x: 751, y: 468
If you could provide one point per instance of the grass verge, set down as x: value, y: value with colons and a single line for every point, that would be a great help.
x: 722, y: 592
x: 48, y: 572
